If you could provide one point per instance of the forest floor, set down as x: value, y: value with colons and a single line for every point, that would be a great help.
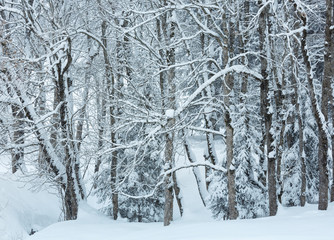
x: 291, y: 224
x: 22, y: 210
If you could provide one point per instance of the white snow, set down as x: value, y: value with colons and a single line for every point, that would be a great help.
x: 170, y: 113
x: 22, y: 210
x: 291, y: 224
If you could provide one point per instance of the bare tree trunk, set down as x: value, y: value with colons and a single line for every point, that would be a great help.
x: 41, y: 111
x: 177, y: 194
x: 170, y: 137
x: 263, y: 95
x: 281, y: 122
x: 100, y: 103
x: 71, y: 200
x: 113, y: 169
x: 302, y: 158
x: 79, y: 139
x: 322, y: 128
x: 101, y: 115
x: 18, y: 138
x: 113, y: 110
x: 300, y: 142
x: 233, y: 212
x: 166, y: 32
x: 300, y: 131
x: 332, y: 186
x: 210, y: 154
x: 327, y: 91
x: 110, y: 85
x: 70, y: 197
x: 169, y: 155
x: 329, y: 72
x: 266, y: 114
x: 227, y: 89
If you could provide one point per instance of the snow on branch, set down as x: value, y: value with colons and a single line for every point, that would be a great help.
x: 235, y: 68
x: 192, y: 165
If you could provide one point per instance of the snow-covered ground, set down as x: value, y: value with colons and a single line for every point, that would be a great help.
x: 22, y: 210
x: 290, y: 224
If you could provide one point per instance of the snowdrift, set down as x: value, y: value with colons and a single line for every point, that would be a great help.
x: 23, y: 210
x: 291, y: 224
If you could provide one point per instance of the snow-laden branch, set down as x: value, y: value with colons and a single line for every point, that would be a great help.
x: 91, y: 35
x: 55, y: 163
x: 151, y: 194
x: 166, y: 173
x: 236, y: 68
x: 192, y: 165
x: 206, y: 130
x: 291, y: 32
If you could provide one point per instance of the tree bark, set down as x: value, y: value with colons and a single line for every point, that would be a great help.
x: 329, y: 73
x: 169, y: 158
x: 168, y: 88
x: 267, y: 114
x: 177, y: 191
x: 326, y: 97
x: 18, y: 138
x: 318, y: 113
x: 17, y: 112
x: 300, y: 131
x: 227, y: 89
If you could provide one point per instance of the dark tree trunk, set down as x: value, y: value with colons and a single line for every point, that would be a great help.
x: 169, y: 158
x: 70, y: 197
x: 168, y: 89
x: 300, y: 132
x: 18, y: 138
x: 228, y: 44
x: 113, y: 174
x: 329, y: 72
x: 267, y: 115
x: 323, y: 141
x: 177, y: 191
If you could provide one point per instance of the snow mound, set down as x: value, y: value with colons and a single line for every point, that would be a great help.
x: 22, y: 210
